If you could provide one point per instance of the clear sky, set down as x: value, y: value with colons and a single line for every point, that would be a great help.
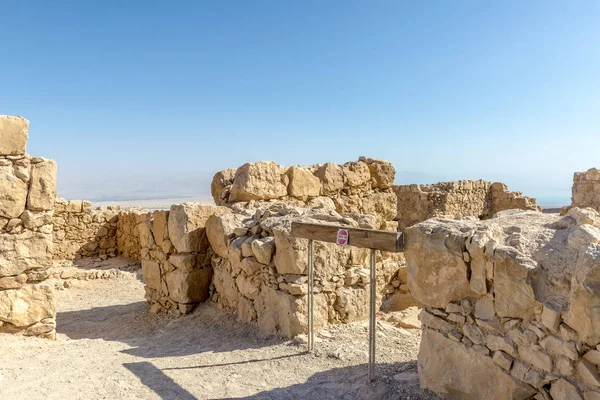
x: 139, y: 97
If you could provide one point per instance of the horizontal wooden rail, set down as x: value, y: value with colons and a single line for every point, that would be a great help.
x: 359, y: 237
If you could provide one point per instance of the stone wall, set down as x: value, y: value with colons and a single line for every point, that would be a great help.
x: 80, y: 231
x: 586, y: 189
x: 27, y: 192
x: 176, y: 257
x: 128, y: 233
x: 480, y: 199
x: 260, y: 271
x: 361, y: 187
x: 510, y: 305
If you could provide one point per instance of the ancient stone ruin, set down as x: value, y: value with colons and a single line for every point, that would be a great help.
x: 509, y: 294
x: 27, y: 194
x: 586, y: 189
x: 480, y: 199
x: 508, y: 302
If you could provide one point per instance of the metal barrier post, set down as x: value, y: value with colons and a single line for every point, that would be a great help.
x: 372, y: 319
x: 310, y: 305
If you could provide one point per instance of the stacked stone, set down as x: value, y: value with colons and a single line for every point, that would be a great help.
x: 586, y: 189
x: 128, y: 234
x: 509, y: 305
x: 480, y: 199
x: 176, y: 257
x: 27, y: 192
x: 502, y: 199
x: 260, y: 270
x: 80, y: 231
x: 361, y: 187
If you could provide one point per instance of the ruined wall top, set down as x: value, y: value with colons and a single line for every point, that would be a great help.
x: 363, y: 186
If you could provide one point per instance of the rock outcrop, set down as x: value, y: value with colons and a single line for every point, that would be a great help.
x: 509, y: 305
x: 27, y: 193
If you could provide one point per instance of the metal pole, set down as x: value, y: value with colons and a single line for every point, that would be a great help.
x: 372, y: 320
x: 310, y: 304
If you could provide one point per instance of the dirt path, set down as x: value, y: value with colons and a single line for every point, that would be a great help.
x: 110, y: 347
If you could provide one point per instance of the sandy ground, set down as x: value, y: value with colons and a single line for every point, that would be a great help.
x: 110, y: 347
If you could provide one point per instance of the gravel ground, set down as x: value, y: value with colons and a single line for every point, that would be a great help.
x: 110, y: 347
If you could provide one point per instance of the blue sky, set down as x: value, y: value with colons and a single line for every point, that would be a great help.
x: 142, y: 97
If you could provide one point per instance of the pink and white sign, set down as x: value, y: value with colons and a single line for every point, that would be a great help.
x: 342, y: 237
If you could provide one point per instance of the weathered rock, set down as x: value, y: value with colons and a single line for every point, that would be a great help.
x: 219, y: 228
x: 303, y: 183
x: 220, y: 182
x: 263, y: 249
x: 187, y: 224
x: 514, y: 295
x: 562, y: 389
x: 585, y: 295
x: 382, y: 173
x: 258, y: 181
x: 42, y: 191
x: 189, y: 286
x: 437, y: 273
x: 27, y: 305
x: 559, y: 346
x: 438, y: 358
x: 536, y: 358
x: 24, y: 251
x: 285, y: 314
x: 588, y: 373
x: 331, y: 177
x: 13, y: 193
x: 151, y: 273
x: 13, y: 135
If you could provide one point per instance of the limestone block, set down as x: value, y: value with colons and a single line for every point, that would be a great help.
x: 42, y: 191
x: 302, y: 183
x: 151, y: 274
x: 221, y: 180
x: 437, y: 273
x: 583, y: 315
x: 189, y: 287
x: 382, y: 172
x: 258, y: 181
x: 562, y: 389
x: 356, y: 174
x: 263, y: 249
x: 514, y: 295
x: 219, y: 228
x: 437, y: 363
x: 225, y: 284
x: 280, y: 312
x: 159, y: 226
x: 13, y: 135
x: 13, y: 193
x: 27, y: 305
x: 187, y: 224
x: 331, y: 177
x: 24, y: 251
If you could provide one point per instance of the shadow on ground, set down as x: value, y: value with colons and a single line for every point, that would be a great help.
x: 155, y: 336
x: 394, y: 381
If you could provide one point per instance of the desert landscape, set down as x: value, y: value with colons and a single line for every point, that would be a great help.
x: 209, y: 300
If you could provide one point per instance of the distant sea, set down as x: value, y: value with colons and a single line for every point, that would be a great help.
x: 553, y: 201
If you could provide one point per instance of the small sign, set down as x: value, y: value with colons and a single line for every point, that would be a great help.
x: 342, y: 237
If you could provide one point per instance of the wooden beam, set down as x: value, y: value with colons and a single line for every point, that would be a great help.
x: 359, y: 237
